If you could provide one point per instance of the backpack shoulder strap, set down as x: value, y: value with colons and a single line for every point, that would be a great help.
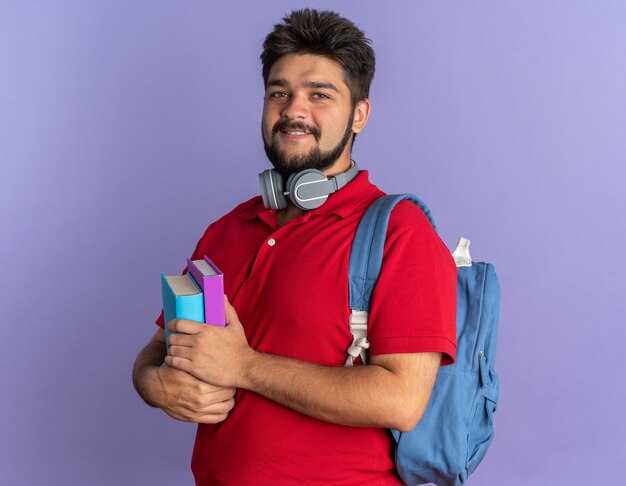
x: 366, y: 258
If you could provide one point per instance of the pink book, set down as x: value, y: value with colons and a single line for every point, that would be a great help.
x: 211, y: 280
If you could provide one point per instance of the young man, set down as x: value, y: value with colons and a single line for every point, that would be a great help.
x: 300, y: 416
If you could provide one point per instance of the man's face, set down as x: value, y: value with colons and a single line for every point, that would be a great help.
x: 307, y: 114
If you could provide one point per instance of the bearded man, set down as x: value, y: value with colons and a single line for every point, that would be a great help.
x: 273, y: 402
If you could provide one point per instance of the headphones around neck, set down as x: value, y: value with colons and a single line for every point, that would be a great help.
x: 307, y: 189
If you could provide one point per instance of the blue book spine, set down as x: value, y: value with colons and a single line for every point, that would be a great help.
x: 189, y: 307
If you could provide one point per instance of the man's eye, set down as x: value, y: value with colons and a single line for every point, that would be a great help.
x: 278, y: 94
x: 321, y: 96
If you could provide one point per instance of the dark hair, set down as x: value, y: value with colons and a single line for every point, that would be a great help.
x: 324, y: 34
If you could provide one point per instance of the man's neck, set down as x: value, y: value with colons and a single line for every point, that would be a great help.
x: 283, y: 216
x: 341, y: 165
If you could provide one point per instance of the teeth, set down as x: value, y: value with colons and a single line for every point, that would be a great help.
x: 297, y: 133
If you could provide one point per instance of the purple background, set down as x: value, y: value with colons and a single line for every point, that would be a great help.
x: 126, y: 127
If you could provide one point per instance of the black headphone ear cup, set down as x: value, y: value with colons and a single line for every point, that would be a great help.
x: 272, y: 189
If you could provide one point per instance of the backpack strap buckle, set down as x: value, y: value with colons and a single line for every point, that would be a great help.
x: 360, y: 344
x: 461, y: 253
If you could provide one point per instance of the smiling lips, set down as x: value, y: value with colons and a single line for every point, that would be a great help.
x: 295, y: 134
x: 295, y: 130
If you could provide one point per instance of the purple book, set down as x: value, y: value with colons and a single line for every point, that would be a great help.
x: 211, y: 280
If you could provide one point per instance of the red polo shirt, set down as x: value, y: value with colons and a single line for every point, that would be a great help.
x: 290, y: 289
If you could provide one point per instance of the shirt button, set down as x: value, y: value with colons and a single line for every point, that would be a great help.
x: 271, y: 242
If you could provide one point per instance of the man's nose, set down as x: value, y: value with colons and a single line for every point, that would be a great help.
x: 297, y: 108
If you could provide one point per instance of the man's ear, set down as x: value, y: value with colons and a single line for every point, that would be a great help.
x: 361, y: 115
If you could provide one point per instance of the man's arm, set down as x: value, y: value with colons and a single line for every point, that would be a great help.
x: 393, y: 391
x: 177, y: 393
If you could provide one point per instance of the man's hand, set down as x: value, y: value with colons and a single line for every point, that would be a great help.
x: 177, y: 393
x: 391, y: 392
x: 186, y: 398
x: 213, y: 354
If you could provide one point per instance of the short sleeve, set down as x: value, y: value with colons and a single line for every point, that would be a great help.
x: 160, y: 321
x: 413, y: 306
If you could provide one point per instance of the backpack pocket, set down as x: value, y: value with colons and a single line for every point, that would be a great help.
x: 436, y: 450
x: 481, y: 427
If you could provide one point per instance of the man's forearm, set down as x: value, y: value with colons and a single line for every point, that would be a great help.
x: 392, y: 391
x: 370, y: 396
x: 145, y: 374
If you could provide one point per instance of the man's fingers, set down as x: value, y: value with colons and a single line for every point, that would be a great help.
x: 178, y: 363
x: 218, y: 407
x: 180, y: 351
x: 211, y: 419
x: 185, y: 326
x: 178, y: 339
x: 217, y: 393
x: 230, y: 312
x: 193, y: 400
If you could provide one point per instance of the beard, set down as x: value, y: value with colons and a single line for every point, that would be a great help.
x: 315, y: 159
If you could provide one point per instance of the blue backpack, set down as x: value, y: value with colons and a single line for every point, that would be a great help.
x: 457, y: 428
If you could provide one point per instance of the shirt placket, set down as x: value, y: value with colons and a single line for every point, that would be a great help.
x: 268, y: 254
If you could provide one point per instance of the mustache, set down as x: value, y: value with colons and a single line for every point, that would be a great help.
x: 284, y: 125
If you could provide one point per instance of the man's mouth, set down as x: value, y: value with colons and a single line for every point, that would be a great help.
x: 295, y: 132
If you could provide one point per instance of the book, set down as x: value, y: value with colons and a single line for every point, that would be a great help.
x: 211, y: 280
x: 182, y: 299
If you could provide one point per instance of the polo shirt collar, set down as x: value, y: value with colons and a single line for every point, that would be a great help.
x: 350, y: 198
